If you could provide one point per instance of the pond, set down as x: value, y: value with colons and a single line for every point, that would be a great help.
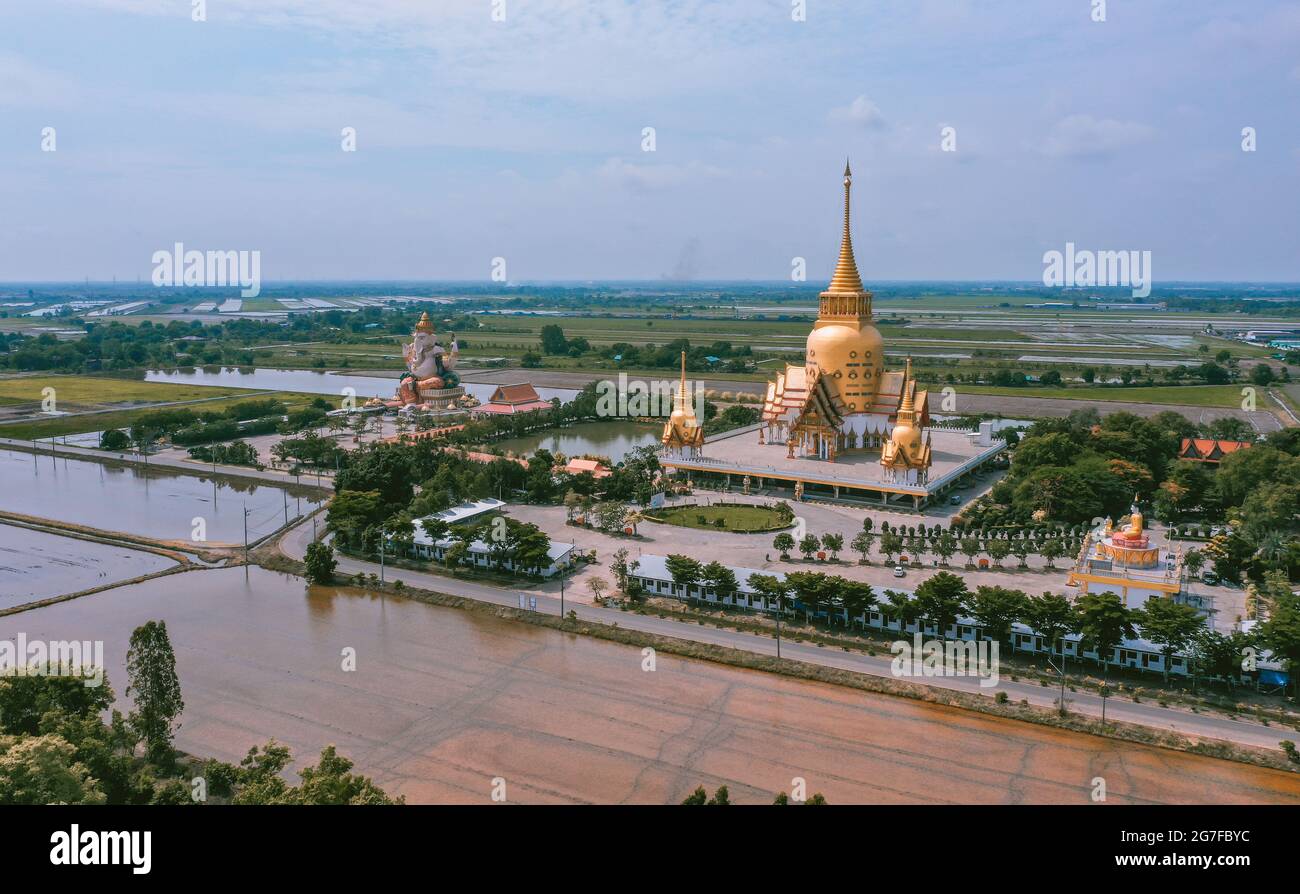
x: 154, y: 502
x: 611, y: 439
x: 37, y: 564
x: 309, y: 381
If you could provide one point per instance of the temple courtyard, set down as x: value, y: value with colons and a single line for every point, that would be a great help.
x: 855, y: 476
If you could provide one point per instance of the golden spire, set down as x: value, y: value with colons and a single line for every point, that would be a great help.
x: 424, y: 325
x: 681, y: 402
x: 907, y: 410
x: 846, y: 278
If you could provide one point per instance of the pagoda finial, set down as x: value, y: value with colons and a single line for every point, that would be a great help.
x: 846, y: 278
x: 908, y: 406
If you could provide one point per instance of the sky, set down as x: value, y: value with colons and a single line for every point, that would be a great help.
x: 515, y: 129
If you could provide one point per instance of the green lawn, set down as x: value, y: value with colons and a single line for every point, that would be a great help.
x: 736, y: 518
x: 1189, y: 395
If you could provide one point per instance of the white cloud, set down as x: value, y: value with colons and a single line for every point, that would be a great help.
x: 654, y: 177
x: 1083, y: 136
x: 24, y: 84
x: 862, y: 112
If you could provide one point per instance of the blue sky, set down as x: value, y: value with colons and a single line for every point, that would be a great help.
x: 522, y: 139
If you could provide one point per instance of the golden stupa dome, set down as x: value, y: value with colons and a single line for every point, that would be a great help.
x: 845, y: 348
x: 844, y: 344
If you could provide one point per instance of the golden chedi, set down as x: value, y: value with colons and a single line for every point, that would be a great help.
x: 844, y: 343
x: 842, y: 398
x: 683, y: 432
x: 906, y: 455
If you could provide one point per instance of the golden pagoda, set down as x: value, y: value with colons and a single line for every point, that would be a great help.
x: 682, y: 431
x: 906, y: 455
x: 841, y: 399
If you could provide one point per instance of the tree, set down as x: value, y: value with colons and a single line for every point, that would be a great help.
x: 970, y: 547
x: 945, y: 545
x: 861, y: 545
x: 783, y: 542
x: 770, y: 589
x: 114, y: 439
x: 856, y: 598
x: 44, y: 770
x: 998, y: 550
x: 1051, y: 549
x: 1170, y: 625
x: 455, y: 555
x: 259, y: 780
x: 902, y: 606
x: 330, y: 782
x: 597, y: 585
x: 1281, y: 631
x: 320, y: 563
x: 1052, y: 617
x: 1104, y: 622
x: 1020, y: 549
x: 833, y: 543
x: 685, y: 571
x: 942, y: 598
x: 996, y: 608
x: 619, y: 567
x: 813, y: 589
x: 553, y: 340
x: 154, y: 687
x: 720, y: 579
x: 808, y: 545
x: 890, y: 544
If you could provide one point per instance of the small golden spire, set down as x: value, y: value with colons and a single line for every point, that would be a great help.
x: 846, y: 278
x: 908, y: 409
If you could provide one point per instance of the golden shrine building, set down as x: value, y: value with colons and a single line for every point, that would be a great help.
x: 840, y: 425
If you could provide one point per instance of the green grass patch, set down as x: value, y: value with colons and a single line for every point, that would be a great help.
x: 740, y: 518
x: 1188, y: 395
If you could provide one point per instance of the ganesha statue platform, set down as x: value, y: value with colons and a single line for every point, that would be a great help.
x: 430, y: 381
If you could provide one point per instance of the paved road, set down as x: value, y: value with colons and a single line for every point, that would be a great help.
x: 294, y: 544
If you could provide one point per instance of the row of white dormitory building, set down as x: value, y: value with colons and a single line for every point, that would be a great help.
x: 422, y: 546
x: 652, y: 573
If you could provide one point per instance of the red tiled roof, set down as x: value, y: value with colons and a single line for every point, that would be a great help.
x: 1208, y: 449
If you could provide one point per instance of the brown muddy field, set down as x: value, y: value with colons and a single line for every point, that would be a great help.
x: 442, y: 701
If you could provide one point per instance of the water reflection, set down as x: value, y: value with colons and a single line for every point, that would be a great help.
x: 152, y: 502
x: 313, y: 382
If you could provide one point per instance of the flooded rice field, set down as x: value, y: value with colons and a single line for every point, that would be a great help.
x: 442, y: 701
x: 36, y: 564
x: 156, y: 503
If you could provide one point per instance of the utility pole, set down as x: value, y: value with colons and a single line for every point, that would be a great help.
x: 286, y: 506
x: 245, y: 531
x: 561, y: 596
x: 778, y: 626
x: 382, y: 537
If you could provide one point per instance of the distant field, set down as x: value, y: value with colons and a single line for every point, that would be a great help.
x: 91, y: 391
x: 1189, y: 395
x: 54, y: 426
